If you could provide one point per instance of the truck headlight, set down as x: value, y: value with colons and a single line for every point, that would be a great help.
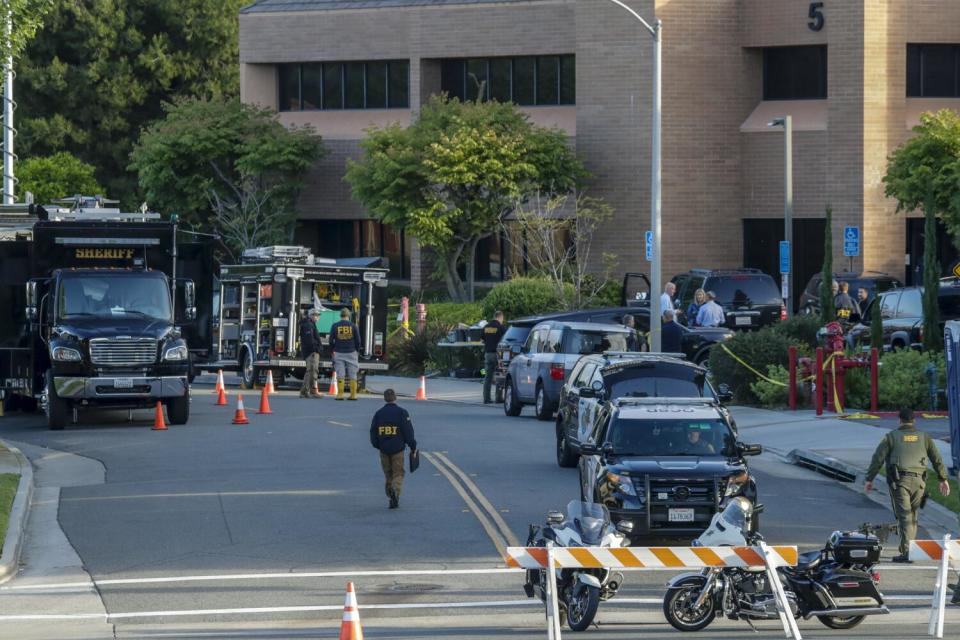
x: 623, y: 483
x: 176, y: 354
x: 736, y: 483
x: 65, y: 354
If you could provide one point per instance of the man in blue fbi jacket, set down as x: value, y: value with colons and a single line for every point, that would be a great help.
x: 391, y: 432
x: 345, y: 338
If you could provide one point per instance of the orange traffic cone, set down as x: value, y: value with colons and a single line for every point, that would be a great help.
x: 422, y: 391
x: 158, y: 423
x: 269, y: 386
x: 350, y: 628
x: 219, y: 386
x: 332, y: 391
x: 264, y: 401
x: 221, y: 398
x: 240, y: 417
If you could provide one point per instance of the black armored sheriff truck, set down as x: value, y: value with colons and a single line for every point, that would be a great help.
x: 99, y: 310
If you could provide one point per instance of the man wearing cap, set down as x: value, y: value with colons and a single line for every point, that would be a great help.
x: 390, y: 433
x: 310, y: 347
x: 905, y: 453
x: 345, y: 338
x: 711, y: 314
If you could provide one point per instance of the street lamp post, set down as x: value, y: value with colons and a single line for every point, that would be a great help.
x: 656, y: 31
x: 787, y: 123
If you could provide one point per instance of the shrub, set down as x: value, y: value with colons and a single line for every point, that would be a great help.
x: 409, y: 356
x: 450, y: 314
x: 800, y: 329
x: 903, y: 381
x: 522, y: 297
x: 759, y: 349
x: 856, y: 388
x: 768, y: 393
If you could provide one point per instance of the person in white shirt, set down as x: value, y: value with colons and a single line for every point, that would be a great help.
x: 666, y: 300
x: 711, y: 314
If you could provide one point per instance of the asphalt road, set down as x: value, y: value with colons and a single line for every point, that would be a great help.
x: 294, y: 503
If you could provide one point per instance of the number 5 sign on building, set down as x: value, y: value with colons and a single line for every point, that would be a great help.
x: 816, y: 16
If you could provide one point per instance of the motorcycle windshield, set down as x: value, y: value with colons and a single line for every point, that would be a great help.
x: 737, y: 513
x: 589, y: 518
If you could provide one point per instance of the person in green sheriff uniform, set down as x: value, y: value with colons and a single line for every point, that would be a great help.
x: 905, y: 452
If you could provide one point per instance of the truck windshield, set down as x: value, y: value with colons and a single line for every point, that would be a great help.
x: 106, y: 295
x: 671, y: 437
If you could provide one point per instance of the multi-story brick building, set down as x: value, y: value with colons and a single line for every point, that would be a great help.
x: 853, y: 74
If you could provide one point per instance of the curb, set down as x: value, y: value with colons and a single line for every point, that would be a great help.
x: 935, y: 518
x: 16, y: 527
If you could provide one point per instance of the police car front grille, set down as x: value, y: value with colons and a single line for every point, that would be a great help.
x: 112, y: 352
x: 697, y: 491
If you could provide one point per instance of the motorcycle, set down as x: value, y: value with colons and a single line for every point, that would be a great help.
x: 837, y: 585
x: 579, y: 591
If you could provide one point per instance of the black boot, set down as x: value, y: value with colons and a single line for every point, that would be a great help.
x: 902, y: 558
x: 394, y: 500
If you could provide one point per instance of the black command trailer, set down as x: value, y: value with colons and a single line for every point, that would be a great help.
x: 96, y: 313
x: 262, y: 300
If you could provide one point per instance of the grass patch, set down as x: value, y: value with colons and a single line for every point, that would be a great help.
x: 952, y: 501
x: 8, y: 490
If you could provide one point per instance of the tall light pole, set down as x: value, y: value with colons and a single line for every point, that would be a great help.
x: 787, y: 123
x: 656, y: 31
x: 8, y: 131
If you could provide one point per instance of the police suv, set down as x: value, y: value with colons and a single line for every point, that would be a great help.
x: 664, y: 464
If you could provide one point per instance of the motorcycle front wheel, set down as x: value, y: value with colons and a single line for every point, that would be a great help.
x: 840, y: 622
x: 582, y: 606
x: 679, y: 610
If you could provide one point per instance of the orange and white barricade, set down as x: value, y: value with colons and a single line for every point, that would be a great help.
x: 640, y: 558
x: 945, y: 553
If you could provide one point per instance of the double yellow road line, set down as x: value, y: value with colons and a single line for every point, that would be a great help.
x: 490, y: 519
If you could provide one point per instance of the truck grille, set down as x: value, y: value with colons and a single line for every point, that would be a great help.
x: 123, y: 352
x: 692, y: 492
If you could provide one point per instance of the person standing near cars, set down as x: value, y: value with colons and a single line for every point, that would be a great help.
x: 666, y: 300
x: 492, y: 334
x: 904, y: 452
x: 345, y: 337
x: 671, y: 333
x: 641, y: 338
x: 711, y: 314
x: 847, y: 309
x: 391, y: 431
x: 310, y: 348
x: 693, y: 309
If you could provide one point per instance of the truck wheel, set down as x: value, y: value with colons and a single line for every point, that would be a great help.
x: 58, y: 411
x: 511, y: 405
x: 178, y: 409
x: 499, y: 393
x: 542, y: 404
x: 248, y: 374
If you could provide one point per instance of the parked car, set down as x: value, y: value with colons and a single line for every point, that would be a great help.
x: 901, y: 311
x: 666, y: 465
x: 873, y: 281
x: 596, y: 378
x: 749, y: 297
x: 536, y: 375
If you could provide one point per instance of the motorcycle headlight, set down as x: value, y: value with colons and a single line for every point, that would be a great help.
x: 735, y: 484
x: 622, y: 483
x: 176, y: 354
x: 65, y: 354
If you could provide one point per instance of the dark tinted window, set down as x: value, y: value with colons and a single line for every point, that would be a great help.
x: 794, y: 73
x: 548, y: 80
x: 353, y: 79
x: 813, y: 287
x: 452, y: 78
x: 582, y: 378
x: 657, y: 381
x: 524, y: 80
x: 949, y: 306
x: 499, y: 79
x: 932, y: 70
x: 541, y: 80
x: 289, y: 87
x: 586, y: 342
x: 333, y: 86
x: 911, y: 304
x: 568, y: 80
x: 670, y: 437
x: 516, y: 334
x: 399, y: 84
x: 476, y: 79
x: 744, y: 289
x: 888, y: 305
x: 351, y: 85
x: 312, y: 86
x: 376, y: 85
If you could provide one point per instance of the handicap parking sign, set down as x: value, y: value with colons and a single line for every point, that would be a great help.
x: 648, y: 237
x: 851, y: 242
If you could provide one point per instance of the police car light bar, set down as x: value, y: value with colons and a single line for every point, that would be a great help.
x: 663, y: 400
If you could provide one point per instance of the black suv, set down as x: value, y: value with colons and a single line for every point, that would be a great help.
x: 595, y: 378
x: 901, y: 311
x: 749, y: 297
x: 665, y: 464
x: 873, y: 281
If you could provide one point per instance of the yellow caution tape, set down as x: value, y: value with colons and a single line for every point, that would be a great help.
x: 932, y: 415
x: 751, y: 369
x: 836, y: 395
x: 861, y: 416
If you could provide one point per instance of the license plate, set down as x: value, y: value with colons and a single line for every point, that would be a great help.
x: 123, y: 383
x: 680, y: 515
x: 743, y: 320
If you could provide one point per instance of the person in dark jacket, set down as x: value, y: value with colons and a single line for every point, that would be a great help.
x: 492, y: 334
x: 847, y: 308
x: 310, y: 347
x: 391, y: 432
x: 345, y: 338
x: 671, y: 333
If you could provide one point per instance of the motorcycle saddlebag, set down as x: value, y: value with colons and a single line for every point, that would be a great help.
x: 849, y: 547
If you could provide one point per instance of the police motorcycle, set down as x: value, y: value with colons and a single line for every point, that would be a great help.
x: 579, y: 591
x: 837, y: 585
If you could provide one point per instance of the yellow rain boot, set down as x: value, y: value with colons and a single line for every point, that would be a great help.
x: 340, y: 385
x: 353, y: 390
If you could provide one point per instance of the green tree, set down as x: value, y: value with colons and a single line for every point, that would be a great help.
x: 98, y: 72
x: 828, y: 312
x: 26, y: 17
x: 932, y: 338
x: 56, y: 176
x: 452, y: 176
x: 227, y: 167
x: 876, y: 326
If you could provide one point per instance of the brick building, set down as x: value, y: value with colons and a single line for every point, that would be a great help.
x: 853, y: 74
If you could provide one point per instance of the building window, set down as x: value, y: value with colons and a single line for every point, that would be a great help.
x: 357, y: 238
x: 795, y: 73
x: 345, y: 85
x: 932, y: 71
x: 526, y: 81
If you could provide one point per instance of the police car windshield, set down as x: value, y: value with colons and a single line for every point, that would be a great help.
x: 113, y: 295
x: 671, y: 437
x: 660, y: 381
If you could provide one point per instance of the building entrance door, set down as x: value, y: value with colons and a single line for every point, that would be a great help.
x: 761, y: 249
x: 947, y: 253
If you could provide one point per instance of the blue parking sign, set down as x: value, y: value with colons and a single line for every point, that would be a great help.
x: 851, y: 242
x: 648, y: 236
x: 784, y: 257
